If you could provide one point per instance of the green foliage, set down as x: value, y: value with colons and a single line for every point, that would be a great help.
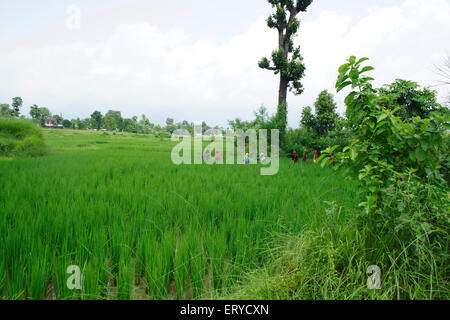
x: 20, y: 138
x: 110, y: 122
x: 5, y: 111
x: 326, y: 115
x: 16, y: 105
x: 113, y: 120
x: 129, y: 125
x: 411, y: 101
x: 97, y: 119
x: 307, y: 120
x: 357, y: 103
x: 39, y: 114
x: 321, y: 130
x: 286, y: 60
x: 328, y: 260
x: 404, y: 195
x: 300, y: 139
x: 385, y: 147
x: 67, y: 123
x: 170, y: 126
x: 81, y: 124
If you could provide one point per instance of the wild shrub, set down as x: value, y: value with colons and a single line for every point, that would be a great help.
x: 404, y: 194
x: 20, y: 137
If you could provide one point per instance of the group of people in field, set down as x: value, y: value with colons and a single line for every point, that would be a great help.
x: 262, y: 157
x: 296, y: 157
x: 207, y: 157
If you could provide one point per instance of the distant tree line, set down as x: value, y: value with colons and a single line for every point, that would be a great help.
x: 322, y: 127
x: 111, y: 121
x: 318, y: 129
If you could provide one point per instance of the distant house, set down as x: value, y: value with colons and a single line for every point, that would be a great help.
x: 50, y: 122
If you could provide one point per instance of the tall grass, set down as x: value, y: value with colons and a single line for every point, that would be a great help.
x: 118, y: 208
x: 330, y: 257
x: 20, y: 137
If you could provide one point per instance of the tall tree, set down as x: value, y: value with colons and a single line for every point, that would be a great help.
x: 308, y: 120
x: 287, y: 60
x: 170, y: 125
x: 325, y: 113
x: 97, y: 118
x: 129, y: 125
x: 67, y: 124
x: 34, y: 112
x: 261, y: 117
x: 118, y: 120
x: 16, y: 105
x: 39, y: 114
x: 110, y: 122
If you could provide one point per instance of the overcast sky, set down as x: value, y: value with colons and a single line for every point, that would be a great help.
x: 197, y: 60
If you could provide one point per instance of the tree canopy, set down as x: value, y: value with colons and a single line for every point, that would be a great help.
x: 286, y: 60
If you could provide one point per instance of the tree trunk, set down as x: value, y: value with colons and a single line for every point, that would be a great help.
x: 283, y: 44
x: 282, y: 93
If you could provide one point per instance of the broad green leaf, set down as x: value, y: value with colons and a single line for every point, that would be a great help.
x: 420, y: 154
x: 344, y: 68
x: 349, y: 99
x: 382, y: 117
x: 354, y: 154
x: 362, y: 60
x: 366, y: 69
x: 333, y: 148
x: 343, y: 85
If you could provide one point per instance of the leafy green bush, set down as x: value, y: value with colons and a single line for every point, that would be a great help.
x: 398, y: 161
x: 300, y: 139
x: 21, y: 138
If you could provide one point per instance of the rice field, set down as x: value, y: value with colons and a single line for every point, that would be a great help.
x: 140, y: 227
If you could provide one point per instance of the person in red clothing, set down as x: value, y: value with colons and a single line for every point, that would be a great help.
x: 316, y: 155
x: 295, y: 156
x: 332, y: 159
x: 305, y: 156
x: 217, y: 156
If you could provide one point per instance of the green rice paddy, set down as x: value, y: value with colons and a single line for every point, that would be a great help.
x: 140, y: 227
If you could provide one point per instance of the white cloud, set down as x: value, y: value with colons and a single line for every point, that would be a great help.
x: 140, y: 69
x: 401, y: 41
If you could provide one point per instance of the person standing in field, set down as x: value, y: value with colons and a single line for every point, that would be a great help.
x: 295, y: 156
x: 217, y: 155
x: 316, y: 155
x: 262, y: 158
x: 305, y: 156
x: 246, y: 159
x: 332, y: 160
x: 207, y: 156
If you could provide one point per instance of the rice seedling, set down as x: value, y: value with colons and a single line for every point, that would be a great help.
x: 128, y: 217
